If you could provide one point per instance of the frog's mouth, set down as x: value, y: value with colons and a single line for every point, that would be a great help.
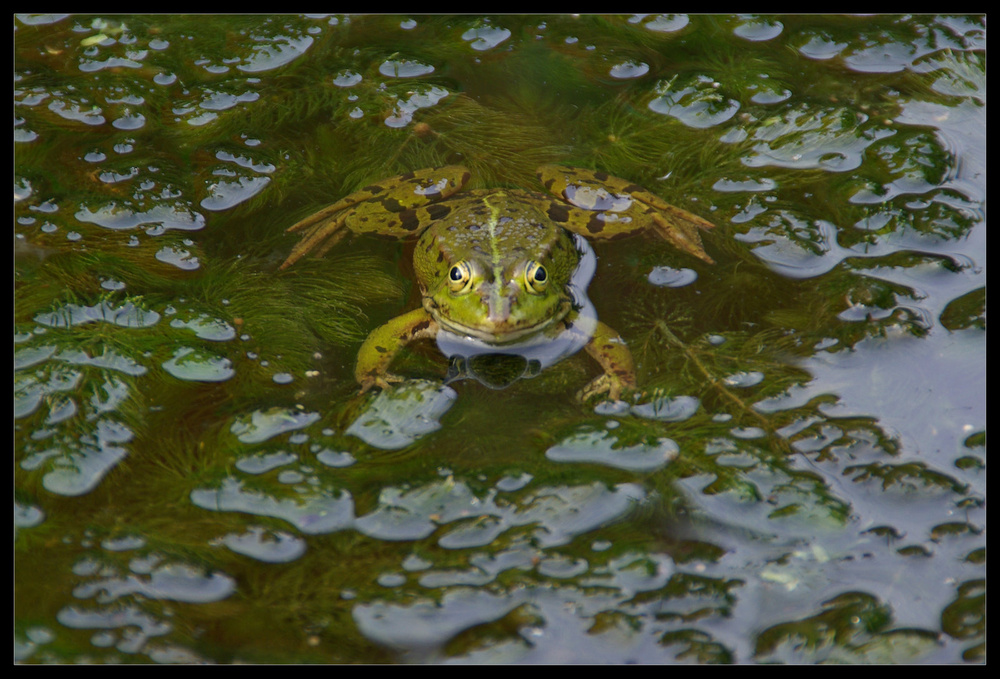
x: 497, y: 333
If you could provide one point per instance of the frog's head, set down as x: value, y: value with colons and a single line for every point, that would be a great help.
x: 497, y: 304
x: 499, y: 275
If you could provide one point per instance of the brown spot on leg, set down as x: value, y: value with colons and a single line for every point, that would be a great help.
x: 437, y: 211
x: 595, y: 224
x: 420, y: 327
x: 558, y: 213
x: 408, y: 220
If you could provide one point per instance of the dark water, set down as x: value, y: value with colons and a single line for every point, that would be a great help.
x: 198, y: 480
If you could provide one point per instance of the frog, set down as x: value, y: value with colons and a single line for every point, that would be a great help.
x: 495, y: 267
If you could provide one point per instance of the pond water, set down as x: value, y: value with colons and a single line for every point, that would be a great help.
x: 801, y: 477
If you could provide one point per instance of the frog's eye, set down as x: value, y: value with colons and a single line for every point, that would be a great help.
x: 459, y: 276
x: 536, y: 277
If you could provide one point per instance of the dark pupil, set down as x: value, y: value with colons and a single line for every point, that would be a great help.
x: 540, y: 274
x: 456, y: 273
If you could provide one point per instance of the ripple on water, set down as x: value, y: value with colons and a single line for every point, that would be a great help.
x: 132, y: 59
x: 662, y: 23
x: 832, y: 139
x: 262, y: 425
x: 404, y: 68
x: 137, y: 625
x: 124, y: 543
x: 166, y: 217
x: 178, y: 257
x: 110, y: 360
x: 223, y: 101
x: 129, y: 121
x: 40, y: 19
x: 207, y: 328
x: 27, y: 516
x: 261, y: 463
x: 558, y: 513
x: 174, y: 582
x: 223, y: 195
x: 401, y: 415
x: 91, y: 115
x: 485, y: 37
x: 666, y: 409
x: 734, y: 185
x: 758, y: 30
x: 667, y: 277
x: 884, y: 56
x: 266, y: 545
x: 629, y: 69
x: 402, y: 114
x: 744, y: 379
x: 347, y: 79
x: 48, y: 381
x: 821, y: 47
x: 430, y: 623
x: 313, y: 512
x: 127, y: 315
x: 78, y: 467
x: 601, y: 447
x: 700, y: 107
x: 332, y: 458
x: 280, y: 51
x: 31, y: 390
x: 243, y: 161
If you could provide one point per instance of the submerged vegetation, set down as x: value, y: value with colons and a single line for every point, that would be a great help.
x: 197, y: 478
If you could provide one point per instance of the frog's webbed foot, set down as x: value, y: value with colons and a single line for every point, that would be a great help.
x: 680, y: 228
x: 608, y: 384
x: 326, y: 225
x: 383, y: 382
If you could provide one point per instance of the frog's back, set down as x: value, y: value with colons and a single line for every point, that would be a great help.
x: 501, y: 226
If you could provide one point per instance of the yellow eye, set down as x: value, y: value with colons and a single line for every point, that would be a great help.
x: 459, y: 276
x: 536, y: 278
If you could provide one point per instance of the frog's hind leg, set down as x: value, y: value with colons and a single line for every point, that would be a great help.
x: 325, y: 225
x: 680, y: 228
x: 613, y: 355
x: 598, y: 205
x: 400, y: 206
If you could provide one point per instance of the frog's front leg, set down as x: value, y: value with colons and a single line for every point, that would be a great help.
x: 610, y: 351
x: 598, y: 205
x: 399, y: 206
x: 384, y: 343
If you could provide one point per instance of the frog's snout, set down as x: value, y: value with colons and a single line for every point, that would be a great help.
x: 498, y: 304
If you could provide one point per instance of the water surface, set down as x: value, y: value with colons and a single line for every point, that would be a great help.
x: 198, y: 480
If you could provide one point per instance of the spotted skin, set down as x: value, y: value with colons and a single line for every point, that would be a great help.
x: 495, y: 264
x: 382, y: 345
x: 598, y: 205
x: 612, y: 354
x: 401, y: 206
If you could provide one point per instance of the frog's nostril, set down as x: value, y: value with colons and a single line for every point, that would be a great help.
x: 498, y: 309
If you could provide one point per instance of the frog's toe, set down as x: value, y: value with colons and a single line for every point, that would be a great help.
x: 383, y: 382
x: 680, y: 228
x: 317, y: 238
x: 611, y: 386
x: 606, y: 384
